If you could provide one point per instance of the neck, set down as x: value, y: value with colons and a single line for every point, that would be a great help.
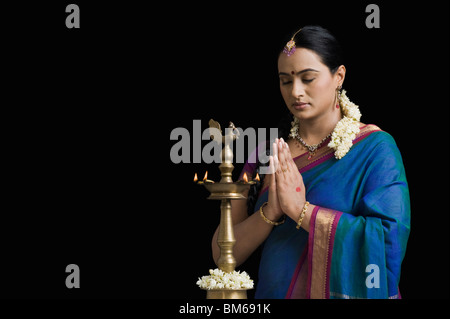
x: 314, y: 130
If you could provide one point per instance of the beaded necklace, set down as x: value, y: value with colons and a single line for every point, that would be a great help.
x: 312, y: 148
x: 343, y: 134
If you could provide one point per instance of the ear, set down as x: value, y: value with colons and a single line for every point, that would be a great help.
x: 340, y: 75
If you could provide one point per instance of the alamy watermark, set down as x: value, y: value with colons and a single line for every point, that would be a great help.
x: 373, y: 279
x: 73, y: 18
x: 73, y: 279
x: 191, y: 144
x: 373, y: 19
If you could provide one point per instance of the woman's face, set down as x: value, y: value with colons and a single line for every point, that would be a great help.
x: 307, y: 85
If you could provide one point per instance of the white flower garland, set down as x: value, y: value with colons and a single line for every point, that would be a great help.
x: 219, y: 279
x: 346, y: 129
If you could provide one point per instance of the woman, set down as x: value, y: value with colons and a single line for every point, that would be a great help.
x: 334, y: 217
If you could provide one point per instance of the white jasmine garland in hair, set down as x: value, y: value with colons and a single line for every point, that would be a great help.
x: 219, y: 279
x: 346, y: 129
x: 343, y: 135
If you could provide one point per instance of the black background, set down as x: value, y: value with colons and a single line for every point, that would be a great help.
x: 88, y: 114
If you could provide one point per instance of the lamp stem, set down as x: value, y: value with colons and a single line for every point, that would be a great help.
x: 225, y: 238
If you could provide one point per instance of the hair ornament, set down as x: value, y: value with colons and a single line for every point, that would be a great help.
x: 289, y: 48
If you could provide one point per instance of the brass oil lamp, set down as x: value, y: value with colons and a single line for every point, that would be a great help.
x: 225, y: 190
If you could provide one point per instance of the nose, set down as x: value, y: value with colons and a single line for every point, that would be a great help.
x: 298, y: 89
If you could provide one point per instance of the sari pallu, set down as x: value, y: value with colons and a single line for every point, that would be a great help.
x: 358, y: 229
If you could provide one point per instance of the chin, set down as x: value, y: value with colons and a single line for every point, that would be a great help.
x: 302, y: 115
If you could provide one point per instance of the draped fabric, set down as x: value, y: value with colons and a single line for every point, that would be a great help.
x: 358, y: 230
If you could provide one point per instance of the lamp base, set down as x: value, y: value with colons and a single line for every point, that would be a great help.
x: 226, y: 294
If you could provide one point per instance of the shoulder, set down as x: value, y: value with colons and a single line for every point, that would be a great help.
x: 380, y: 157
x: 376, y: 134
x: 376, y: 143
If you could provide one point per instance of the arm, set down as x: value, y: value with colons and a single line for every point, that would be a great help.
x: 250, y: 231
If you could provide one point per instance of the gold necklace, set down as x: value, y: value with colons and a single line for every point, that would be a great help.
x: 312, y: 148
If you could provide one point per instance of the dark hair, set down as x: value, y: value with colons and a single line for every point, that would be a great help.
x: 325, y: 45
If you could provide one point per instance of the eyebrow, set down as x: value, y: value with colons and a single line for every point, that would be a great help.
x: 300, y: 72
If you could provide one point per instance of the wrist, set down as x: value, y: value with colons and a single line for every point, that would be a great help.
x: 306, y: 219
x: 295, y: 209
x: 302, y: 214
x: 270, y: 213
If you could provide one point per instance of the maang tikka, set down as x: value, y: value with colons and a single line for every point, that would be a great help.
x: 289, y: 48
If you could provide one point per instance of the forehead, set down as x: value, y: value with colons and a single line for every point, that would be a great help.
x: 301, y: 59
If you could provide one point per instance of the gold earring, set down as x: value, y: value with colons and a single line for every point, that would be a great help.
x: 338, y: 95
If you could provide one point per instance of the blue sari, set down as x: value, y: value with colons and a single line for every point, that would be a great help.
x: 358, y: 230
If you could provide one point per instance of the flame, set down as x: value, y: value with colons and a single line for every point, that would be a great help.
x: 195, y: 177
x: 257, y: 177
x: 206, y: 176
x: 245, y: 178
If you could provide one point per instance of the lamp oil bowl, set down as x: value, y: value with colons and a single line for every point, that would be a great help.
x: 225, y: 190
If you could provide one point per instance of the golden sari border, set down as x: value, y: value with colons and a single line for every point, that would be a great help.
x: 320, y: 242
x: 324, y: 153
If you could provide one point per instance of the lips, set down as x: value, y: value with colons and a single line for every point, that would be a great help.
x: 300, y: 105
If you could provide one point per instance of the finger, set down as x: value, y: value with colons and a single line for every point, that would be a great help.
x: 288, y: 157
x: 275, y: 147
x: 271, y: 165
x: 276, y: 163
x: 287, y: 149
x: 282, y: 154
x: 272, y: 184
x: 291, y: 164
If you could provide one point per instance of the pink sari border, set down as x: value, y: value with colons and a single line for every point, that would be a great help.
x: 296, y: 272
x: 315, y: 163
x: 359, y: 138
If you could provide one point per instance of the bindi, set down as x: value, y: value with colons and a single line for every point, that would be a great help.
x: 292, y: 72
x: 298, y: 189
